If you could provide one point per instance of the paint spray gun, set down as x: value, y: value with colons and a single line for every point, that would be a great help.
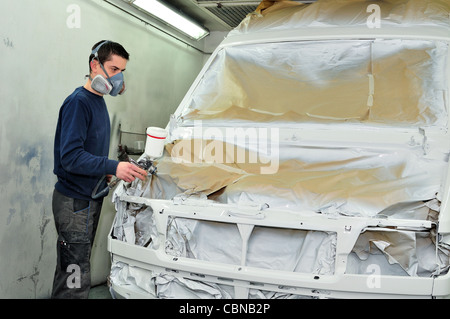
x: 154, y: 148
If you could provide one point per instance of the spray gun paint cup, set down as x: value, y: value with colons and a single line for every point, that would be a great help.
x: 156, y: 138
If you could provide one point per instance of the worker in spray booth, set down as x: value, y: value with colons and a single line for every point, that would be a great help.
x: 81, y: 160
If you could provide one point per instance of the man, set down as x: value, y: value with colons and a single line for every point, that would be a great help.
x: 81, y: 160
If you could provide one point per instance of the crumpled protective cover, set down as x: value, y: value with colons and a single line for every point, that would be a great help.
x: 303, y: 251
x: 326, y: 180
x: 282, y: 14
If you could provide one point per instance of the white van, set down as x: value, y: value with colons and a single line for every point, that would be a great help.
x: 309, y: 159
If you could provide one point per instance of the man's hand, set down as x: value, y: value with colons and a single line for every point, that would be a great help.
x: 129, y: 172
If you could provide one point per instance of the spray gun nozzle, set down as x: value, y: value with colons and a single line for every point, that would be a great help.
x: 146, y: 164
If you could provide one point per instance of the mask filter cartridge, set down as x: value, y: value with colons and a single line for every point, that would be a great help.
x: 101, y: 85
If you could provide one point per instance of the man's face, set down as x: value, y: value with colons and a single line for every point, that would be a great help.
x: 113, y: 66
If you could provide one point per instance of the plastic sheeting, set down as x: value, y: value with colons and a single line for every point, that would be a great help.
x: 166, y: 286
x: 382, y: 82
x: 356, y: 182
x: 311, y: 252
x: 284, y: 15
x: 135, y: 224
x: 399, y: 253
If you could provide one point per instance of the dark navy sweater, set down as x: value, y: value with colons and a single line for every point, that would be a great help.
x: 82, y: 144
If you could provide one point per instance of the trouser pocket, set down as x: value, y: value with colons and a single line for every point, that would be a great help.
x: 80, y: 219
x: 72, y: 276
x: 74, y: 250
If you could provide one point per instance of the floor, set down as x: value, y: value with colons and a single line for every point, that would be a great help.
x: 100, y: 292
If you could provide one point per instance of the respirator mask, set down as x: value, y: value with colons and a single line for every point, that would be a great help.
x: 113, y: 85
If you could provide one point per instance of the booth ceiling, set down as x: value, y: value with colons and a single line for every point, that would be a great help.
x: 215, y: 15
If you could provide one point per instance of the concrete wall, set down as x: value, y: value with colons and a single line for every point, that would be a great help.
x: 44, y: 50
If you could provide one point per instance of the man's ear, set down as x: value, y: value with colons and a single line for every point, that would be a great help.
x: 94, y: 64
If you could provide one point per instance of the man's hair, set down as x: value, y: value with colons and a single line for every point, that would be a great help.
x: 107, y: 50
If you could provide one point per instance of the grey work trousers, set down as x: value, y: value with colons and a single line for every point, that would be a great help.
x: 76, y: 223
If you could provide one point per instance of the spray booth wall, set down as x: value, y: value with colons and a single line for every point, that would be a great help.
x: 44, y: 49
